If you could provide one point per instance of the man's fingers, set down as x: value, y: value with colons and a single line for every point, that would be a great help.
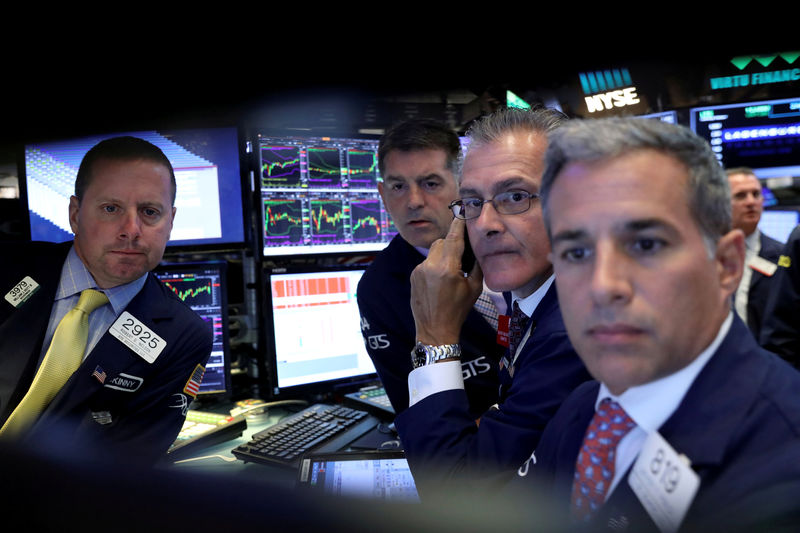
x: 450, y: 249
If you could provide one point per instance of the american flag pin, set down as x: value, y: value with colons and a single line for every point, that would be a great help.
x: 99, y: 374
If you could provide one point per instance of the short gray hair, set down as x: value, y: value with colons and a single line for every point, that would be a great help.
x: 593, y: 140
x: 492, y: 128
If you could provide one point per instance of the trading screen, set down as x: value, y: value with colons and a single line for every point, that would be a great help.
x: 320, y: 195
x: 316, y: 328
x: 201, y: 288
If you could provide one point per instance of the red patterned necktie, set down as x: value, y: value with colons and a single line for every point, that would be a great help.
x: 594, y: 468
x: 516, y: 328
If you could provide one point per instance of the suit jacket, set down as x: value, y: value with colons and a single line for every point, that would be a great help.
x: 780, y: 329
x: 760, y: 284
x: 739, y: 424
x: 384, y: 301
x: 139, y: 407
x: 441, y: 439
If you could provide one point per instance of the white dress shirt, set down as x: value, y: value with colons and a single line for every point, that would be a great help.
x: 430, y: 379
x: 651, y: 404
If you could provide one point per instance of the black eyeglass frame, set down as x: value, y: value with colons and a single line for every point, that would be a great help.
x: 459, y: 208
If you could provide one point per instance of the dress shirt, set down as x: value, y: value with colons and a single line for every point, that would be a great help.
x: 752, y: 246
x: 75, y: 277
x: 651, y: 404
x: 430, y: 379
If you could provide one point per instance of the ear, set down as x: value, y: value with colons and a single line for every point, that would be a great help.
x: 380, y: 191
x: 74, y: 208
x: 730, y: 260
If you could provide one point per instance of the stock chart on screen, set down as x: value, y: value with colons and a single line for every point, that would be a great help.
x: 320, y: 195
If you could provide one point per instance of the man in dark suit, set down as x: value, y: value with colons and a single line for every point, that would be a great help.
x: 780, y: 331
x: 499, y: 209
x: 761, y: 251
x: 692, y: 424
x: 145, y: 349
x: 418, y: 159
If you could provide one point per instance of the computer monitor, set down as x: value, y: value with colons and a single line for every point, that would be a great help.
x: 203, y: 286
x: 313, y: 331
x: 764, y: 136
x: 663, y: 116
x: 778, y: 224
x: 207, y: 175
x: 319, y: 195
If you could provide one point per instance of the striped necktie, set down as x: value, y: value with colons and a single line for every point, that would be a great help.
x: 62, y: 359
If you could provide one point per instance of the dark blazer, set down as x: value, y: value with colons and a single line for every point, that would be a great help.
x: 384, y: 301
x: 780, y: 329
x: 141, y: 418
x: 760, y: 285
x: 441, y: 438
x: 739, y: 424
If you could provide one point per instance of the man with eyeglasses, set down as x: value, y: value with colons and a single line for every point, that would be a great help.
x: 499, y: 208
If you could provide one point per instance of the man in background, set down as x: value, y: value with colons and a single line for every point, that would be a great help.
x: 761, y: 251
x: 97, y: 356
x: 418, y: 162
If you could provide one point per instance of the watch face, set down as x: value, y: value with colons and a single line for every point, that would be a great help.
x: 418, y: 356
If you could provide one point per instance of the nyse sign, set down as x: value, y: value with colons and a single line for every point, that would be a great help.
x: 612, y: 99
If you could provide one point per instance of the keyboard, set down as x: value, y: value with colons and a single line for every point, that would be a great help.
x: 202, y: 429
x: 317, y: 428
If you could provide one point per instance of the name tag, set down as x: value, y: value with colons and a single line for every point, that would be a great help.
x: 503, y: 322
x: 130, y: 331
x: 762, y: 265
x: 664, y: 482
x: 22, y: 291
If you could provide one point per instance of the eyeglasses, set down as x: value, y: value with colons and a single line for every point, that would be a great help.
x: 505, y: 203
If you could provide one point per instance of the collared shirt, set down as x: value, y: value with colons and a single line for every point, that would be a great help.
x: 651, y: 404
x: 752, y: 246
x: 430, y: 379
x: 75, y: 277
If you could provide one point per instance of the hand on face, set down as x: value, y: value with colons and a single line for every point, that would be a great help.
x: 441, y: 295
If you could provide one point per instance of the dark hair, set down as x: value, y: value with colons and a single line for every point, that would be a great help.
x: 420, y: 134
x: 125, y: 148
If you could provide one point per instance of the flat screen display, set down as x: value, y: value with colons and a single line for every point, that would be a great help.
x: 319, y: 195
x: 764, y: 136
x: 315, y: 329
x: 207, y: 175
x: 203, y: 287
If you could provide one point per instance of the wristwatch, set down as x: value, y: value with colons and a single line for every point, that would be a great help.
x: 425, y: 354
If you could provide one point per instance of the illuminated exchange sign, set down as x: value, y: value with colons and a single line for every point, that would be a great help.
x: 608, y: 89
x: 756, y: 78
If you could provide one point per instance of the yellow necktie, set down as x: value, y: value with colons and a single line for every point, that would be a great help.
x: 62, y: 359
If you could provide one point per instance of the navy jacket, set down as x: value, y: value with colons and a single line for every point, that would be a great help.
x: 384, y: 301
x: 780, y: 329
x: 139, y: 407
x: 760, y: 285
x: 441, y: 438
x: 739, y: 424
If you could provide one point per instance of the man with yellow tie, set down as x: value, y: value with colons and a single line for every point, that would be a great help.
x: 95, y: 353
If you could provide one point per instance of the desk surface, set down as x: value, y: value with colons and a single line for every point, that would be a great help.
x: 218, y: 458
